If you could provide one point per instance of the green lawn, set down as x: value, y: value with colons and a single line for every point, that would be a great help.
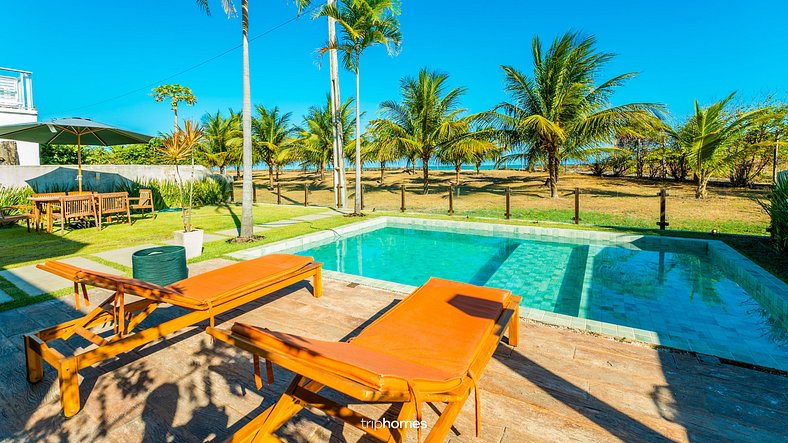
x: 22, y: 248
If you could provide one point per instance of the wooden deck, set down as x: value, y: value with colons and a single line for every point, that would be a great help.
x: 559, y: 385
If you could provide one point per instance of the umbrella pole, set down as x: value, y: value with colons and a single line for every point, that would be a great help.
x: 79, y: 162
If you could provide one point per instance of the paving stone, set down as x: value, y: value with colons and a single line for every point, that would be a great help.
x: 237, y: 231
x: 122, y: 256
x: 558, y: 385
x: 4, y: 297
x: 206, y: 238
x: 33, y: 281
x: 311, y: 217
x: 209, y: 265
x: 280, y: 223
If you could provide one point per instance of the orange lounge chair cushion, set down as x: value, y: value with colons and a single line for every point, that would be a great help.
x: 225, y: 283
x: 431, y: 337
x: 198, y: 292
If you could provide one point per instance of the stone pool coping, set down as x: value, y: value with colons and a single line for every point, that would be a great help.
x: 768, y: 290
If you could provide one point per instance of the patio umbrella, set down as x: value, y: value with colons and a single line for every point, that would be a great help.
x: 71, y: 131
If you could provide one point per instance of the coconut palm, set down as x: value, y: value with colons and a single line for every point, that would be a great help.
x: 316, y: 137
x: 338, y: 151
x: 561, y: 107
x: 223, y: 140
x: 708, y: 134
x: 425, y: 119
x: 364, y: 23
x: 379, y: 148
x: 247, y: 229
x: 272, y: 134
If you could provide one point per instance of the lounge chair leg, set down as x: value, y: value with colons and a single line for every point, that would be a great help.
x: 514, y: 328
x: 35, y: 364
x: 445, y: 422
x: 280, y: 413
x: 317, y: 283
x: 405, y: 415
x: 69, y: 387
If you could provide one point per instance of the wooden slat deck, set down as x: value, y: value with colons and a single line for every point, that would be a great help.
x: 558, y: 385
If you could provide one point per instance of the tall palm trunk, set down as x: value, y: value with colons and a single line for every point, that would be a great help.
x: 552, y: 168
x: 457, y: 167
x: 382, y: 170
x: 425, y: 167
x: 270, y: 175
x: 336, y: 104
x: 246, y: 121
x: 357, y: 199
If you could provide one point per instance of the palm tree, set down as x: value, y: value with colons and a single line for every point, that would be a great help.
x: 380, y: 148
x: 338, y: 142
x: 424, y: 120
x: 223, y: 140
x: 247, y: 229
x: 465, y: 144
x: 364, y: 23
x: 708, y: 134
x: 272, y: 134
x: 561, y: 107
x: 316, y: 137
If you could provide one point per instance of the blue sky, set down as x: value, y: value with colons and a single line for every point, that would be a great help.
x: 83, y: 53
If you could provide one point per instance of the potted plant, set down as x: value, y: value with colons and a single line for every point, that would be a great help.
x: 176, y: 148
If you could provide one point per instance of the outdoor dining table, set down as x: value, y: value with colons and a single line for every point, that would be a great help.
x: 44, y: 203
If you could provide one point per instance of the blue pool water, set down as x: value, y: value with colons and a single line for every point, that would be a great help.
x: 688, y: 301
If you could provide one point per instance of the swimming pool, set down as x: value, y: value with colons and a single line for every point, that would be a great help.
x: 689, y: 294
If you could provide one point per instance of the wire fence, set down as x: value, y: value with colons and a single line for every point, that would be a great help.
x: 650, y: 207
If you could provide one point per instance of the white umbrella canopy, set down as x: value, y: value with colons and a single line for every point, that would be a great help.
x: 72, y: 131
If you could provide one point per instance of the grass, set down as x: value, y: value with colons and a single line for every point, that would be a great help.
x: 21, y: 248
x: 606, y: 201
x: 24, y: 248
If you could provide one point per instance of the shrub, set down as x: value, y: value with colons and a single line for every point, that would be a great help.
x: 777, y: 208
x: 213, y: 190
x: 12, y: 196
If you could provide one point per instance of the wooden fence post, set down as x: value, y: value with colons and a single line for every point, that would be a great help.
x: 278, y: 194
x: 254, y: 193
x: 402, y: 197
x: 577, y: 206
x: 508, y: 213
x: 451, y: 200
x: 662, y: 204
x: 338, y: 194
x: 306, y: 194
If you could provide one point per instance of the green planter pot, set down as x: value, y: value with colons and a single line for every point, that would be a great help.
x: 162, y: 265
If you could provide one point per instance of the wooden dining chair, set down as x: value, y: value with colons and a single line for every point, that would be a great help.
x: 143, y: 202
x: 113, y: 203
x: 76, y: 206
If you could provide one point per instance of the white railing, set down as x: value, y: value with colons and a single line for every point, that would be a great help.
x: 16, y: 89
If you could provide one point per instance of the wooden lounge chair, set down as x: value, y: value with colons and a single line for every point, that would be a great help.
x: 16, y: 213
x: 143, y: 202
x: 79, y: 206
x: 204, y: 296
x: 113, y: 203
x: 431, y: 347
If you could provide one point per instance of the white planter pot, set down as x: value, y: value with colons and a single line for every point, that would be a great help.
x: 191, y: 242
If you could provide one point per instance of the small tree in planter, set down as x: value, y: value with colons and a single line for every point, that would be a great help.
x: 177, y: 148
